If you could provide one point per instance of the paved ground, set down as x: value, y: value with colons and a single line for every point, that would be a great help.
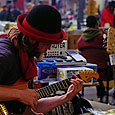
x: 90, y: 93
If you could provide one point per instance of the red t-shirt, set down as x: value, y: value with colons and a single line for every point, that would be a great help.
x: 106, y: 17
x: 97, y: 42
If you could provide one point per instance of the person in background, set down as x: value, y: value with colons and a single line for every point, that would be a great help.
x: 15, y: 12
x: 1, y: 7
x: 4, y: 13
x: 9, y: 16
x: 32, y: 38
x: 90, y: 45
x: 30, y: 5
x: 107, y: 14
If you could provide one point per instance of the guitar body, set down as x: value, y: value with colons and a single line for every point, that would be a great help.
x: 18, y: 107
x: 29, y: 111
x: 14, y: 106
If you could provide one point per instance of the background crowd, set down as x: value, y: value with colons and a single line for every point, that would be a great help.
x: 10, y: 12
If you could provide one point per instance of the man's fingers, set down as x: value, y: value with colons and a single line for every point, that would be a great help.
x: 74, y: 75
x: 35, y: 102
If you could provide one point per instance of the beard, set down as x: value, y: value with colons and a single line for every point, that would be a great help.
x: 36, y: 54
x: 39, y: 58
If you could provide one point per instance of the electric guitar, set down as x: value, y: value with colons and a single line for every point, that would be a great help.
x: 111, y: 46
x: 6, y: 108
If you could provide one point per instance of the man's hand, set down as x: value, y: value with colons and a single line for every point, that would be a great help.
x: 74, y: 88
x: 28, y: 97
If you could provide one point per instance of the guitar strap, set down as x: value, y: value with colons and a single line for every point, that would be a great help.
x: 80, y: 104
x: 64, y: 109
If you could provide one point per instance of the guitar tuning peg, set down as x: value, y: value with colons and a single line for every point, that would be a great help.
x: 92, y: 71
x: 110, y: 37
x: 110, y: 48
x: 110, y: 43
x: 111, y: 32
x: 87, y: 72
x: 78, y: 71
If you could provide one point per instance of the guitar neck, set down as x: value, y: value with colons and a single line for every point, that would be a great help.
x: 85, y: 75
x: 45, y: 91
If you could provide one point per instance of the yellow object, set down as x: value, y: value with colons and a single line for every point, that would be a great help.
x: 91, y: 8
x: 110, y: 112
x: 111, y: 84
x: 111, y: 40
x: 71, y: 27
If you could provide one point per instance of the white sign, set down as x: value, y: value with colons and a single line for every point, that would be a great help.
x: 112, y: 59
x: 57, y: 49
x: 61, y: 46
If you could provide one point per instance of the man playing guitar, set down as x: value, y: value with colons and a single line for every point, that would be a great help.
x: 36, y: 31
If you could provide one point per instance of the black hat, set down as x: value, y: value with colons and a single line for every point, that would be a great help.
x: 91, y: 21
x: 42, y: 23
x: 112, y: 3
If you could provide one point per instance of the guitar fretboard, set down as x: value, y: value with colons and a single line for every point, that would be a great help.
x: 46, y: 91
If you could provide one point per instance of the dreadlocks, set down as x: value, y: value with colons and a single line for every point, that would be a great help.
x: 22, y: 41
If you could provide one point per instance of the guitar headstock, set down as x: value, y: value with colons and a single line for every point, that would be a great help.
x: 87, y: 75
x: 111, y: 40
